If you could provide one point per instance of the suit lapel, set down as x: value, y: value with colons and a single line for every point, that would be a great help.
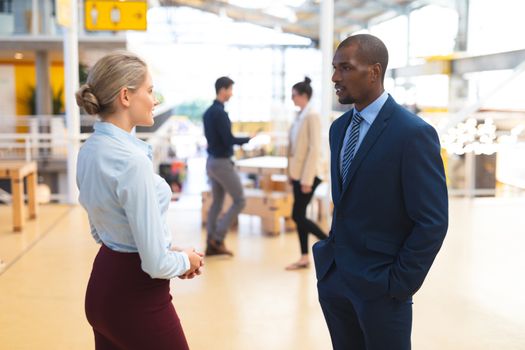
x: 370, y: 139
x: 338, y: 137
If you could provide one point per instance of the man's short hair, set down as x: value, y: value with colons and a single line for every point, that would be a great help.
x: 223, y: 83
x: 371, y: 50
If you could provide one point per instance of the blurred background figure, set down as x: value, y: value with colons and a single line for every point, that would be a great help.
x: 304, y: 167
x: 220, y: 168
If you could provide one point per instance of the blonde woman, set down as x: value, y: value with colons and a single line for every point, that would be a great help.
x: 128, y: 301
x: 303, y: 167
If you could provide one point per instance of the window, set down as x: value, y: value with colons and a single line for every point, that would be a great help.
x: 6, y: 6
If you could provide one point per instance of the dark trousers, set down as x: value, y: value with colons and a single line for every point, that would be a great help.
x: 128, y: 309
x: 378, y: 324
x: 305, y: 225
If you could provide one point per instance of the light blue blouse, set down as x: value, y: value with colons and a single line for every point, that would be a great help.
x: 126, y: 201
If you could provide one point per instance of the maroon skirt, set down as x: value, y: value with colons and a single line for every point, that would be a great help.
x: 127, y: 308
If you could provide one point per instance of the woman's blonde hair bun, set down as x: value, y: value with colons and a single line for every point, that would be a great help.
x: 106, y: 78
x: 87, y: 100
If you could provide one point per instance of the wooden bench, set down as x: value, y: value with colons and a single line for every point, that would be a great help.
x: 16, y: 171
x: 269, y: 206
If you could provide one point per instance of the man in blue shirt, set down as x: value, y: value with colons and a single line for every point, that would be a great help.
x: 220, y: 168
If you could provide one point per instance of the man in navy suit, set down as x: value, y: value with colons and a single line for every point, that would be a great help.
x: 390, y: 207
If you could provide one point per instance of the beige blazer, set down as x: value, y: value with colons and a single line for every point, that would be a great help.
x: 304, y: 155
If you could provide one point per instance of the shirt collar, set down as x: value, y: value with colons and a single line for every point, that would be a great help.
x: 370, y: 112
x: 122, y: 135
x: 304, y: 112
x: 218, y: 103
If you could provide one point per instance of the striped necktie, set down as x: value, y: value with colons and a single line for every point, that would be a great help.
x: 351, y: 146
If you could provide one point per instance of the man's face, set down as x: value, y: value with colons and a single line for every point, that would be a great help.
x: 227, y: 93
x: 351, y: 76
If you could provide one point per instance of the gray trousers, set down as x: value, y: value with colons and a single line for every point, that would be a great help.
x: 224, y: 179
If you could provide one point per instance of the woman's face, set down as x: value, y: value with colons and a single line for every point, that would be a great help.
x: 142, y: 103
x: 300, y: 100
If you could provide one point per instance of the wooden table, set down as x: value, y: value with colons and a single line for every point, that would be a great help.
x: 273, y: 199
x: 264, y: 167
x: 16, y: 171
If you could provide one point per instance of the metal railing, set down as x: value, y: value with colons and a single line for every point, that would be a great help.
x: 45, y: 137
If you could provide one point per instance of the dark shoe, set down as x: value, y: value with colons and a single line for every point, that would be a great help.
x: 210, y: 251
x: 216, y: 248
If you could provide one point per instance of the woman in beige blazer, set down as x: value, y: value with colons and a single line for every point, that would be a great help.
x: 304, y: 153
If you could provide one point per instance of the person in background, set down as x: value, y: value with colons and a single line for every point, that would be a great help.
x: 220, y: 168
x: 128, y: 301
x: 390, y: 206
x: 304, y: 167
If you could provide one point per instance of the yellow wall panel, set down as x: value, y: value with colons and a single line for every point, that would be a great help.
x: 25, y: 79
x: 57, y: 82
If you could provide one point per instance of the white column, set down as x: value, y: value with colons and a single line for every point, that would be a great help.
x: 34, y: 17
x: 326, y: 38
x: 408, y: 32
x: 43, y: 85
x: 72, y: 112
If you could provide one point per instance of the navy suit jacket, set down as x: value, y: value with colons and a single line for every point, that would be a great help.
x: 390, y: 220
